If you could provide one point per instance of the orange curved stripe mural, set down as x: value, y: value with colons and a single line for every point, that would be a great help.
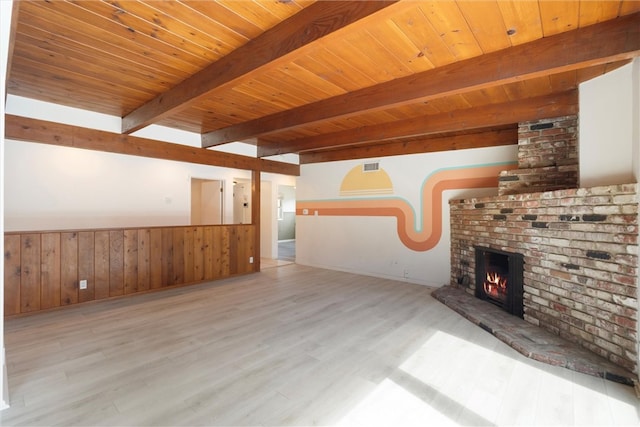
x: 431, y: 231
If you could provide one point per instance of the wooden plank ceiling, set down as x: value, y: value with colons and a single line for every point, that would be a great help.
x: 326, y: 79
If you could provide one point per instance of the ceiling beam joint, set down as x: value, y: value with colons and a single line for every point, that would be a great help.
x: 272, y: 47
x: 609, y: 41
x: 553, y: 105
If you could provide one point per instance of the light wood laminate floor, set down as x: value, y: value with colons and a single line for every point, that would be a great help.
x: 291, y: 345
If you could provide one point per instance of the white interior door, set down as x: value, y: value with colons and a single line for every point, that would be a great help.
x: 211, y: 202
x: 207, y: 197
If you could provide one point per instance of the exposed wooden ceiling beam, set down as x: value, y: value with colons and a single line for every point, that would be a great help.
x: 310, y: 24
x: 605, y: 42
x: 44, y: 132
x: 472, y: 118
x: 415, y: 146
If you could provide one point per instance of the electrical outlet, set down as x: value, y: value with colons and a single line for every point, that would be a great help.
x: 250, y: 260
x: 83, y: 284
x: 406, y: 274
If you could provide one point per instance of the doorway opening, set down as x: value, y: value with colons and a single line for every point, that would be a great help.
x: 286, y: 213
x: 207, y: 201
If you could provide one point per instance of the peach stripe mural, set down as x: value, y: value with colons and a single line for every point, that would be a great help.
x: 414, y: 234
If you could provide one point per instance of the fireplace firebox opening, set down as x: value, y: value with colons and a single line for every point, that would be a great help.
x: 499, y: 279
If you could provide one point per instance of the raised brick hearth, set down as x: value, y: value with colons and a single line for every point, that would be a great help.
x: 580, y: 249
x: 530, y: 340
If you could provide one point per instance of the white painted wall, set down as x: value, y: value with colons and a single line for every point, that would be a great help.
x: 610, y: 127
x: 369, y: 245
x: 6, y: 8
x: 51, y: 188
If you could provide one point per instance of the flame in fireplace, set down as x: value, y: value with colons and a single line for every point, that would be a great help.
x: 495, y: 285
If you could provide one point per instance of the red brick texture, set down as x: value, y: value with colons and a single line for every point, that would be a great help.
x: 580, y: 249
x: 547, y: 157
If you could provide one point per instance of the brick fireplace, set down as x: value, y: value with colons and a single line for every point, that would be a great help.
x: 579, y: 245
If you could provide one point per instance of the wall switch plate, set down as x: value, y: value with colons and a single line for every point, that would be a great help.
x: 83, y: 284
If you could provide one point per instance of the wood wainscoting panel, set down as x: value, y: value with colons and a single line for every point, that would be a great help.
x: 246, y: 242
x: 198, y: 254
x: 167, y: 257
x: 208, y: 252
x: 144, y: 236
x: 30, y: 272
x: 12, y: 274
x: 86, y: 265
x: 130, y: 261
x: 101, y: 264
x: 69, y: 268
x: 155, y: 258
x: 116, y: 263
x: 188, y: 252
x: 178, y: 255
x: 224, y: 248
x: 232, y: 236
x: 43, y: 269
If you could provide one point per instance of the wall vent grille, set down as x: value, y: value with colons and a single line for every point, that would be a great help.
x: 371, y: 167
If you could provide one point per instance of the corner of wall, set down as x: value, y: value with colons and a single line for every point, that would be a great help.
x: 608, y: 148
